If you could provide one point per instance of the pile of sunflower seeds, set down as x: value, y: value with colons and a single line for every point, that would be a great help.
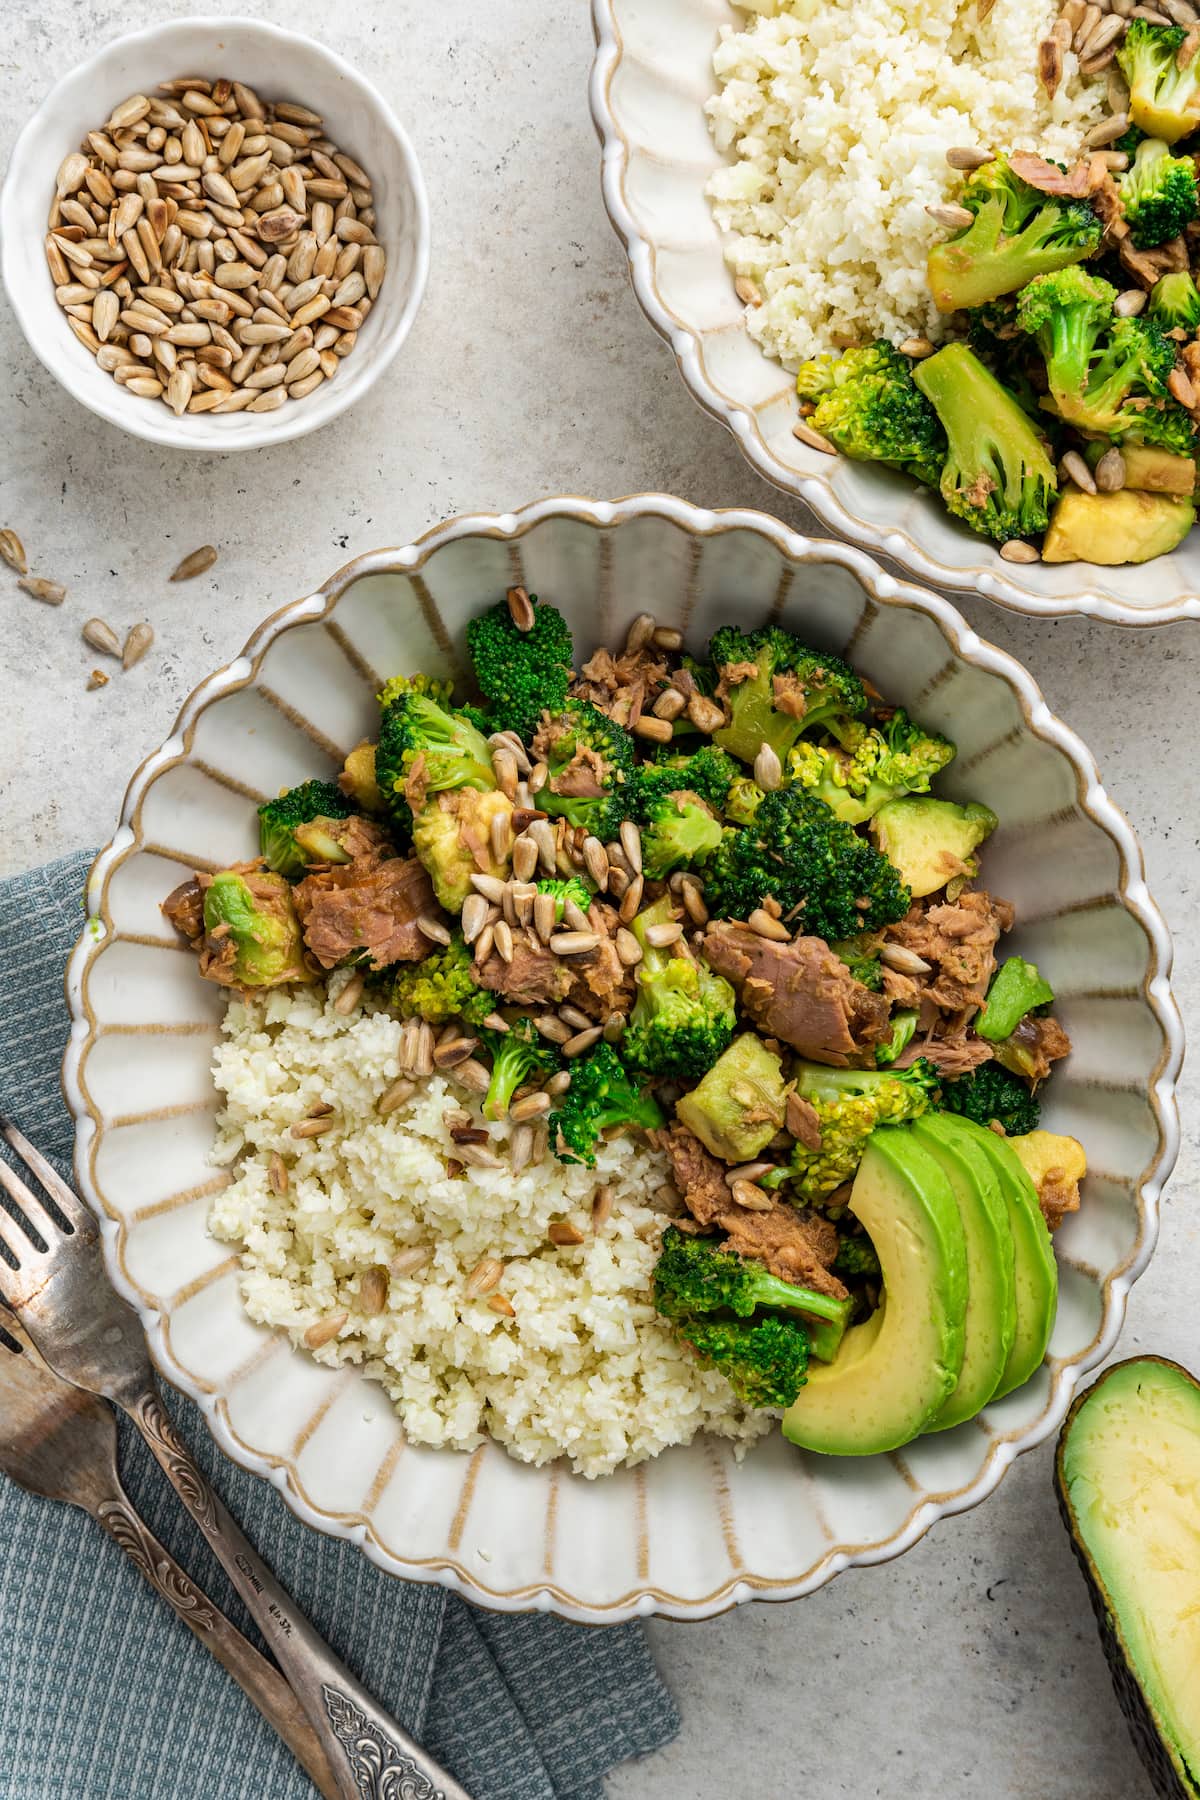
x: 213, y: 250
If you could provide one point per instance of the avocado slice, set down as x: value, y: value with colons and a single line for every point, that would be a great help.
x: 1153, y: 471
x: 740, y: 1104
x: 991, y: 1319
x: 1035, y: 1272
x: 1127, y: 1474
x: 894, y: 1372
x: 930, y: 841
x: 1125, y: 527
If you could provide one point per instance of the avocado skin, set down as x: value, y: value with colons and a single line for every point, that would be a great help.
x: 1156, y: 1758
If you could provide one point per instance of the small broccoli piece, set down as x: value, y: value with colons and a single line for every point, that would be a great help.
x: 678, y: 831
x: 1126, y: 393
x: 684, y: 1015
x: 1016, y: 989
x: 904, y: 1026
x: 592, y: 768
x: 253, y: 913
x: 601, y: 1096
x: 442, y: 986
x: 1158, y: 194
x: 861, y: 956
x: 850, y: 1104
x: 743, y: 800
x: 777, y: 687
x: 315, y: 804
x: 1175, y: 302
x: 1065, y: 314
x: 993, y: 1093
x: 1016, y: 233
x: 573, y: 888
x: 856, y: 1256
x: 998, y: 478
x: 821, y: 872
x: 765, y: 1361
x: 1164, y: 99
x: 417, y: 721
x: 518, y: 1055
x: 709, y: 772
x: 1129, y: 140
x: 885, y: 762
x: 872, y: 412
x: 696, y: 1275
x: 521, y: 674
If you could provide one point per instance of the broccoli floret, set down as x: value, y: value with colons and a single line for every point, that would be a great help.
x: 1016, y: 233
x: 1125, y: 394
x: 585, y: 750
x: 521, y: 674
x: 903, y: 1030
x: 777, y: 687
x: 885, y: 762
x: 998, y: 478
x: 861, y: 956
x: 872, y: 412
x: 821, y: 872
x: 1175, y: 302
x: 743, y: 800
x: 1164, y: 100
x: 417, y: 720
x: 850, y: 1104
x: 442, y: 986
x: 684, y: 1016
x: 518, y: 1055
x: 696, y: 1275
x: 1065, y: 314
x: 765, y: 1361
x: 601, y: 1095
x: 709, y: 772
x: 253, y: 913
x: 1129, y: 140
x: 573, y: 888
x: 856, y: 1256
x: 992, y: 1093
x: 1158, y: 194
x: 314, y: 804
x: 678, y: 831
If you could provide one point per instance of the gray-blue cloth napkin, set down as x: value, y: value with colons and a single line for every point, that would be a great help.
x: 105, y: 1696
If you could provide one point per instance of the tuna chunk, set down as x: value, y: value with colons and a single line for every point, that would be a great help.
x: 600, y: 982
x: 799, y: 992
x: 958, y: 941
x: 367, y: 905
x: 534, y: 977
x: 184, y: 907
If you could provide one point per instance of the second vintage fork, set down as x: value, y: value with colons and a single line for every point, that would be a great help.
x: 91, y: 1337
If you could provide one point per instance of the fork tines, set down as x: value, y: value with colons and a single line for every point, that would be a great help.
x: 30, y: 1210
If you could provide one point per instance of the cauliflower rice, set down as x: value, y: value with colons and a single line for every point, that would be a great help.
x: 840, y: 113
x: 585, y: 1368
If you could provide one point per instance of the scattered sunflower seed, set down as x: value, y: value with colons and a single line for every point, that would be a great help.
x: 137, y: 643
x: 101, y: 636
x: 13, y: 551
x: 52, y: 592
x: 194, y: 563
x: 325, y: 1330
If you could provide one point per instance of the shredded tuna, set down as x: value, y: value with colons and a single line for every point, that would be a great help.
x: 370, y: 906
x: 1075, y: 183
x: 534, y: 977
x: 621, y: 686
x: 184, y: 907
x: 803, y: 1121
x: 600, y: 982
x: 951, y: 1057
x: 799, y: 992
x: 1041, y: 1043
x: 958, y: 940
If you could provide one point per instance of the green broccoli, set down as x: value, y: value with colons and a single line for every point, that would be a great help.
x: 1065, y: 314
x: 777, y: 687
x: 743, y: 800
x: 573, y: 888
x: 678, y: 831
x: 1158, y: 194
x: 1164, y: 99
x: 252, y: 932
x: 1175, y: 302
x: 869, y: 408
x: 518, y: 1054
x: 521, y: 674
x: 417, y: 720
x: 903, y: 1030
x: 697, y: 1275
x: 315, y: 805
x: 684, y: 1016
x: 821, y: 872
x: 1016, y: 989
x: 1126, y: 393
x: 861, y: 956
x: 992, y: 1093
x: 850, y: 1104
x: 1016, y: 232
x: 442, y: 986
x: 592, y: 769
x: 709, y: 772
x: 601, y: 1096
x: 856, y: 1256
x: 765, y: 1361
x: 998, y: 478
x: 884, y: 763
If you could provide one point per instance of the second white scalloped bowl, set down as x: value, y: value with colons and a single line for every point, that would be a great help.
x: 692, y: 1532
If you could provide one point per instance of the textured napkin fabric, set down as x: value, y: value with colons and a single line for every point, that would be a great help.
x: 104, y: 1695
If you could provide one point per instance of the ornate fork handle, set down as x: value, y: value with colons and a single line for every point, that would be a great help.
x: 371, y: 1756
x: 254, y: 1675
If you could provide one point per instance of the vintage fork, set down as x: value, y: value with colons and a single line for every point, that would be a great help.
x: 61, y: 1443
x: 87, y: 1334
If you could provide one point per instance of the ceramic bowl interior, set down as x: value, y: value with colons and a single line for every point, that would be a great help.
x: 651, y: 77
x: 280, y: 65
x: 693, y: 1531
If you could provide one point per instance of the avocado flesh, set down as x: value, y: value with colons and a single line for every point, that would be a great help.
x: 930, y: 841
x: 1128, y: 1475
x: 894, y: 1372
x: 1128, y: 526
x: 739, y: 1106
x: 1154, y: 471
x: 1035, y: 1272
x: 991, y: 1318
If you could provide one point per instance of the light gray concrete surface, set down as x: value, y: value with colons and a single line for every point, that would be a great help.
x: 970, y: 1667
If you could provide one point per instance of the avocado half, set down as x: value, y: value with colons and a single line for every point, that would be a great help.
x: 1128, y: 1479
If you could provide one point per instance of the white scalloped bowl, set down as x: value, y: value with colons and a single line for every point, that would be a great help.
x: 650, y: 79
x: 692, y: 1532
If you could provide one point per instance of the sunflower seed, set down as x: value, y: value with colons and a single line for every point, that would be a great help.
x: 764, y: 925
x: 563, y: 1233
x: 1130, y: 303
x: 12, y: 550
x: 545, y: 915
x: 531, y: 1107
x: 705, y: 714
x: 628, y: 949
x: 325, y: 1330
x: 542, y: 833
x: 52, y: 592
x: 751, y: 1197
x: 485, y: 1276
x: 504, y: 940
x: 433, y: 929
x: 657, y: 731
x: 903, y: 960
x: 631, y: 900
x: 1181, y: 388
x: 1073, y: 468
x: 1109, y: 473
x: 768, y: 770
x: 396, y: 1095
x: 350, y: 995
x: 693, y: 901
x: 71, y: 172
x: 602, y: 1206
x: 277, y: 1174
x: 582, y: 1040
x: 574, y: 943
x: 137, y: 643
x: 484, y: 943
x: 194, y: 564
x: 102, y: 637
x: 659, y: 936
x: 670, y: 704
x: 551, y: 1027
x: 520, y: 1149
x: 963, y: 157
x: 1015, y: 551
x: 474, y: 916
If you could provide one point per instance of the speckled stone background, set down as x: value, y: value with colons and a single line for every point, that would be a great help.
x: 970, y: 1667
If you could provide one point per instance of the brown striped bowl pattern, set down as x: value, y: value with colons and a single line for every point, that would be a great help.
x: 692, y: 1532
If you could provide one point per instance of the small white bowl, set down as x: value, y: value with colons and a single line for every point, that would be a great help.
x: 281, y: 65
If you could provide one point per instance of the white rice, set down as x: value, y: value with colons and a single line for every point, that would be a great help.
x: 840, y: 113
x: 586, y: 1368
